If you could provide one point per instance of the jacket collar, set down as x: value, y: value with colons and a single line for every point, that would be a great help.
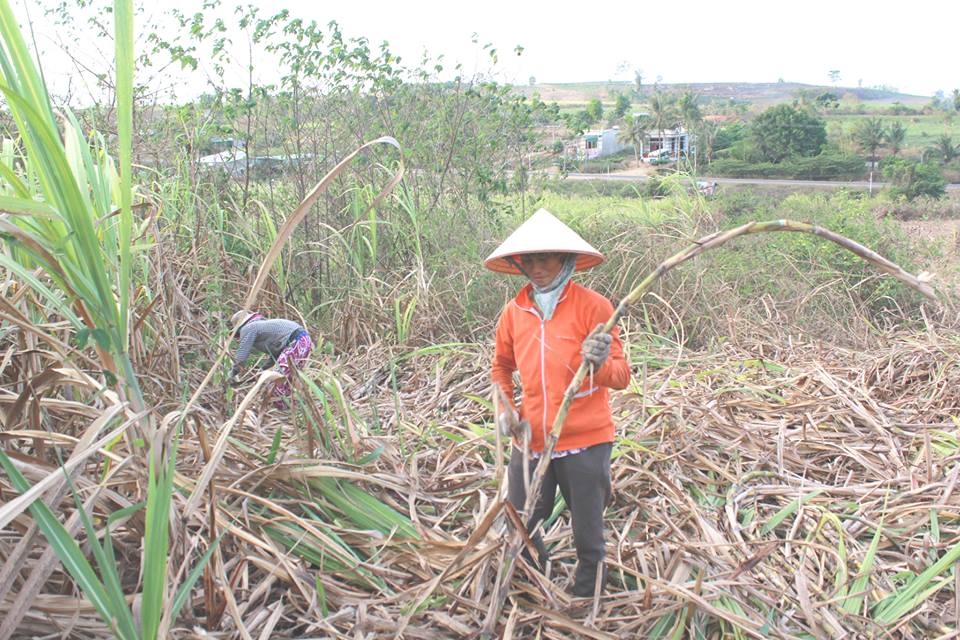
x: 524, y: 298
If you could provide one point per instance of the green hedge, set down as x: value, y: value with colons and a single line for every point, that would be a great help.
x: 822, y: 167
x: 604, y: 165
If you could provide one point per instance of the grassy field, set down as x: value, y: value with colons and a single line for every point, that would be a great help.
x: 922, y: 130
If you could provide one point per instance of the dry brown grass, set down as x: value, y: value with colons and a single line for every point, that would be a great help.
x: 712, y: 446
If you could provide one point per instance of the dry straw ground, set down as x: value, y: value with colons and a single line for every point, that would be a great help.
x: 767, y: 489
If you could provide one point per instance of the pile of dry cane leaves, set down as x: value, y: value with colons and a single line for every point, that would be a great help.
x: 750, y: 484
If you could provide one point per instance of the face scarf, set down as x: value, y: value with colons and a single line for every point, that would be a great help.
x: 548, y: 296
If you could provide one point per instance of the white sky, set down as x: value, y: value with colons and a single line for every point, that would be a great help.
x: 908, y: 45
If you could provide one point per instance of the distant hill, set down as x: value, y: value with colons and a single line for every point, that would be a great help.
x: 755, y: 92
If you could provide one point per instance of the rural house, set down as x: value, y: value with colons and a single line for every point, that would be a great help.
x: 600, y: 143
x: 670, y: 143
x: 233, y: 161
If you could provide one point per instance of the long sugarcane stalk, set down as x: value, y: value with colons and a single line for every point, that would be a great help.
x: 712, y: 241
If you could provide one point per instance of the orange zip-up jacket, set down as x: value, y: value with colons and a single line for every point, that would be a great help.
x: 547, y: 355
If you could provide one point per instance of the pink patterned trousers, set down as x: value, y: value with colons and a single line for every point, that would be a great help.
x: 292, y: 357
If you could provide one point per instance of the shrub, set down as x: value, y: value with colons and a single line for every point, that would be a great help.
x: 826, y: 166
x: 805, y: 260
x: 911, y: 179
x: 593, y: 188
x: 730, y: 135
x: 656, y: 186
x: 921, y: 208
x: 604, y: 165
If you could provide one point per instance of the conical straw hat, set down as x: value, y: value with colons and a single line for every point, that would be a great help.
x: 542, y: 233
x: 240, y: 317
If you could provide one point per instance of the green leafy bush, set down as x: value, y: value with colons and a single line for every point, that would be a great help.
x: 604, y: 165
x: 790, y: 266
x: 911, y: 179
x: 826, y: 166
x: 784, y: 131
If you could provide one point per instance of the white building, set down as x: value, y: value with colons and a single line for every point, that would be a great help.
x: 600, y: 143
x: 670, y: 143
x: 233, y: 161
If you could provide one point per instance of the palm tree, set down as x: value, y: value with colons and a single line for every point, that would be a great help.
x: 896, y: 136
x: 634, y: 132
x: 870, y: 135
x: 689, y: 108
x: 708, y: 136
x: 689, y: 112
x: 662, y: 112
x: 945, y: 149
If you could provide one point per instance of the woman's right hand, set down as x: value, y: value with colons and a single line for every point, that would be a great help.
x: 512, y: 426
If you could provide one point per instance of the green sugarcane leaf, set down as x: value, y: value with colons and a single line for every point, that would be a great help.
x: 66, y: 548
x: 903, y: 600
x: 55, y: 300
x: 274, y: 446
x: 852, y: 603
x: 156, y: 540
x: 184, y: 591
x: 788, y: 510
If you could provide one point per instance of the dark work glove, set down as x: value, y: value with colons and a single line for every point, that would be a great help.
x: 596, y: 347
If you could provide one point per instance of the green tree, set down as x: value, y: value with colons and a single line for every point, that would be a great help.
x: 620, y: 107
x: 577, y: 122
x: 911, y: 179
x: 784, y: 131
x: 956, y: 99
x: 689, y: 109
x: 729, y: 136
x: 870, y: 135
x: 595, y: 110
x: 634, y: 132
x: 707, y: 141
x: 827, y: 100
x: 638, y: 81
x: 944, y: 149
x: 805, y: 98
x: 896, y: 136
x: 834, y: 75
x: 663, y: 113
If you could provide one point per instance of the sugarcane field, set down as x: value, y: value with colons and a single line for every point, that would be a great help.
x: 332, y: 321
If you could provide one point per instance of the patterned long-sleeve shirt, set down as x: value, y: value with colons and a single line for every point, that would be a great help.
x: 265, y: 336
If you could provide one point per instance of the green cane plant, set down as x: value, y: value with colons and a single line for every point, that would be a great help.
x: 68, y: 211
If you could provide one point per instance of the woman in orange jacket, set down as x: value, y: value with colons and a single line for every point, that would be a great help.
x: 543, y: 334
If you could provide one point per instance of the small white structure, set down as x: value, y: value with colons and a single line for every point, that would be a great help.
x: 601, y: 143
x: 669, y: 143
x: 233, y: 161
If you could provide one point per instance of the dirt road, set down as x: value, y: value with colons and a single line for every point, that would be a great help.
x: 819, y: 184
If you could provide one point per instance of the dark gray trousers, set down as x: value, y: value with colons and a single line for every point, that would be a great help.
x: 584, y: 482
